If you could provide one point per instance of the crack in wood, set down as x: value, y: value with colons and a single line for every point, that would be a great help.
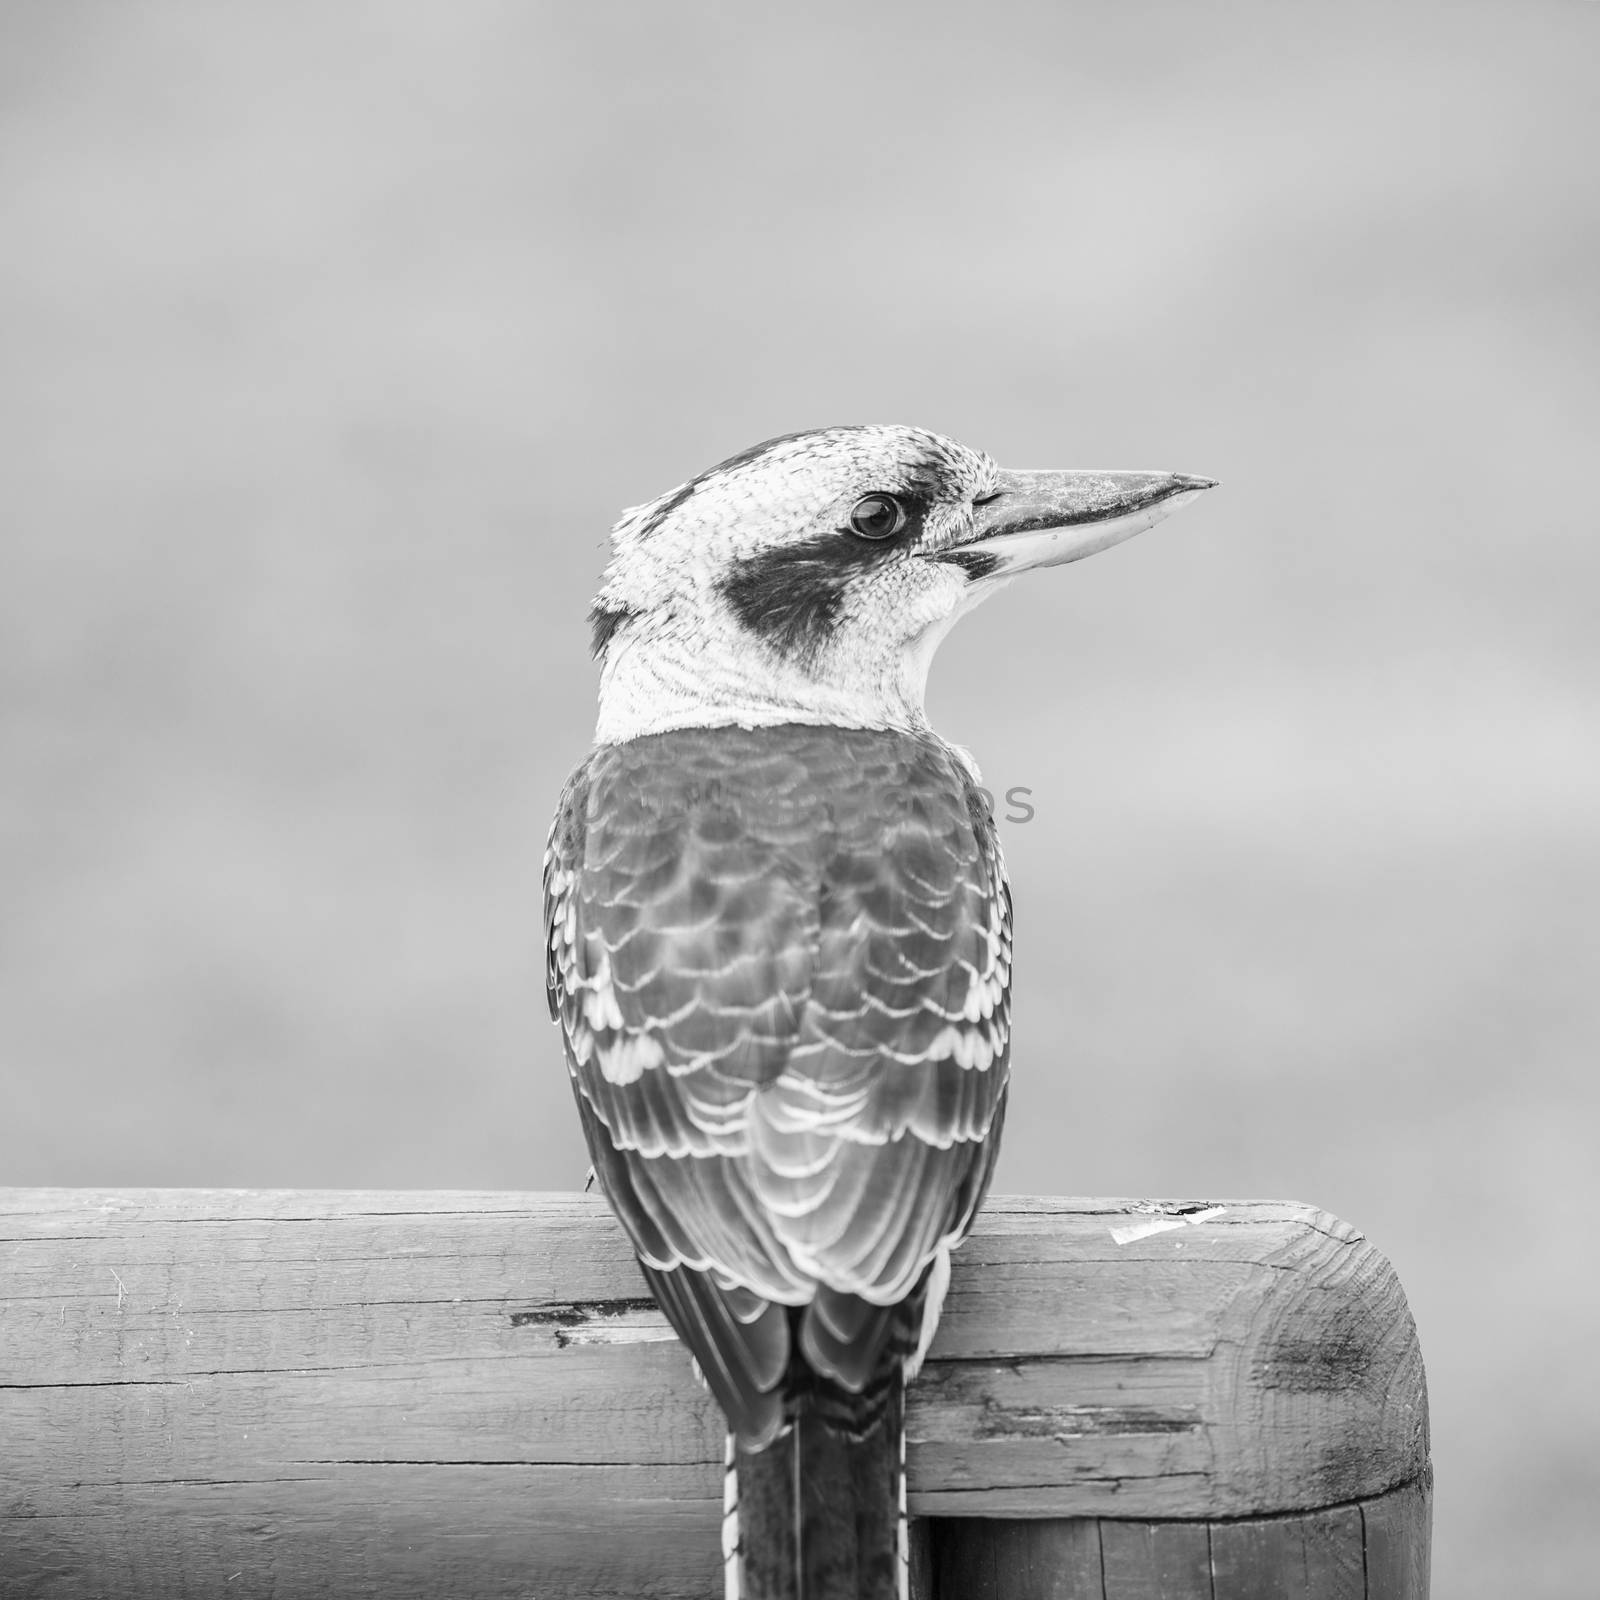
x: 1010, y: 1491
x: 576, y: 1313
x: 702, y: 1463
x: 1063, y: 1423
x: 104, y: 1383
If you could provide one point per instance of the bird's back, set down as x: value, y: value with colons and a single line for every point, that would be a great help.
x: 781, y: 959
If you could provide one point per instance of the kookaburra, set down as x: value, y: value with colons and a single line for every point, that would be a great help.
x: 779, y: 945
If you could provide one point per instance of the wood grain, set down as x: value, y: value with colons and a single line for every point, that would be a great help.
x: 1156, y: 1560
x: 1328, y: 1554
x: 209, y: 1392
x: 1398, y: 1530
x: 983, y: 1559
x: 1317, y: 1555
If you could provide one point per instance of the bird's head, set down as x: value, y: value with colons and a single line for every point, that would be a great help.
x: 810, y: 578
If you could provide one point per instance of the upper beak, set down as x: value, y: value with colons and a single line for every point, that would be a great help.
x: 1041, y: 519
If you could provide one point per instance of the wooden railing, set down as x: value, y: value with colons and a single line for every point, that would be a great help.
x: 230, y: 1393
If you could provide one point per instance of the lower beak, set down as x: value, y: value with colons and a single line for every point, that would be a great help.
x: 1042, y: 519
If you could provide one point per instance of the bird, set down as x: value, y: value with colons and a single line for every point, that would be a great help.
x: 778, y: 937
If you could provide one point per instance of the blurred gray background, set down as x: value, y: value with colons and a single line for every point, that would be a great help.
x: 335, y: 337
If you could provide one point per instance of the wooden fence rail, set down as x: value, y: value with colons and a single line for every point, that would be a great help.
x: 245, y: 1393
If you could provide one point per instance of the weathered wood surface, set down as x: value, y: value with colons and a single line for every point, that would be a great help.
x: 1374, y: 1549
x: 252, y: 1393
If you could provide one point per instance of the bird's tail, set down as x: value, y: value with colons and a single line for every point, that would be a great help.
x: 820, y: 1513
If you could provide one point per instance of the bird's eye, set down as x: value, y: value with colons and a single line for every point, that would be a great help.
x: 877, y: 516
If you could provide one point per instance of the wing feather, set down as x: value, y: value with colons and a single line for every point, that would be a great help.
x: 781, y: 964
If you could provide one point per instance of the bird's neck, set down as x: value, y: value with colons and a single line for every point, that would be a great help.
x: 653, y: 683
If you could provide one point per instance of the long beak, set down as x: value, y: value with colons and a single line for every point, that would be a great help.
x: 1041, y: 519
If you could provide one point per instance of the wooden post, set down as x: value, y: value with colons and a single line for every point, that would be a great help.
x: 234, y: 1393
